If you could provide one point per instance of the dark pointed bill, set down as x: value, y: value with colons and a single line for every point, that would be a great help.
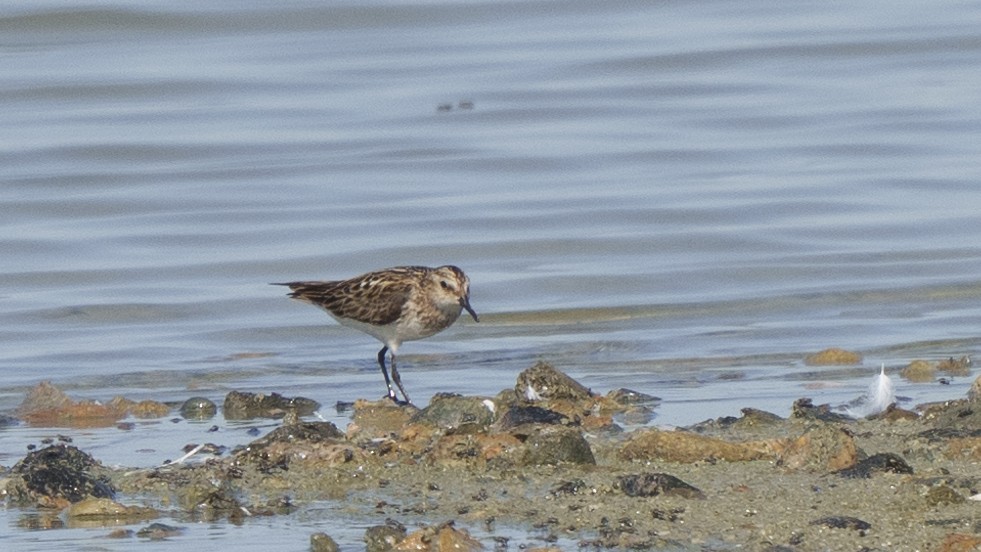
x: 465, y: 303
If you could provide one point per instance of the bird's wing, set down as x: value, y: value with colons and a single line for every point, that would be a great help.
x: 368, y: 298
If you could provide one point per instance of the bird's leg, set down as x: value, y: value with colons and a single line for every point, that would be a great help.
x: 388, y: 382
x: 398, y: 380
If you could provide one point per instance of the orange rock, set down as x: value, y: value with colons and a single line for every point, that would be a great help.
x: 832, y: 357
x: 443, y: 538
x: 959, y: 542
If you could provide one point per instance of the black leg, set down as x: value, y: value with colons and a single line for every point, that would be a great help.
x: 398, y: 380
x: 388, y: 382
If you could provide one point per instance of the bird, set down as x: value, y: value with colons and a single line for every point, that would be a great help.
x: 393, y: 305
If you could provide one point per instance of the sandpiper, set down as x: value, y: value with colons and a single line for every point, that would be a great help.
x: 393, y: 305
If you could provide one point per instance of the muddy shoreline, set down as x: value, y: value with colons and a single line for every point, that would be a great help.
x: 548, y: 458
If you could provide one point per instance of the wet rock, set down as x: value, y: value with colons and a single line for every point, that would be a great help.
x: 159, y: 531
x: 843, y: 522
x: 833, y: 357
x: 443, y: 538
x: 942, y: 495
x: 57, y: 475
x: 751, y: 418
x: 894, y: 413
x: 551, y: 445
x: 319, y: 443
x: 142, y: 409
x: 655, y: 484
x: 321, y: 542
x: 628, y: 397
x: 974, y: 393
x: 376, y: 419
x: 543, y: 382
x: 476, y: 450
x: 682, y: 446
x: 804, y: 409
x: 918, y: 371
x: 244, y: 406
x: 518, y: 415
x: 955, y: 367
x: 382, y: 538
x: 877, y: 463
x: 457, y: 414
x: 827, y: 448
x: 104, y: 508
x: 46, y: 405
x: 198, y: 408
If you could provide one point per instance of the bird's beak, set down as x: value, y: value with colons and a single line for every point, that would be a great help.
x: 465, y: 303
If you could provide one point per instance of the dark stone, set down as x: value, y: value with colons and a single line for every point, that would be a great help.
x: 654, y: 484
x: 456, y: 414
x: 551, y: 445
x: 382, y: 538
x: 199, y: 408
x: 625, y: 396
x: 545, y: 382
x: 245, y: 406
x: 159, y: 531
x: 519, y: 415
x: 804, y: 409
x: 62, y: 471
x: 843, y: 522
x: 882, y: 462
x: 321, y: 542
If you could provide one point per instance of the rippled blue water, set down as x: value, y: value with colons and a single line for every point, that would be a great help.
x: 678, y: 197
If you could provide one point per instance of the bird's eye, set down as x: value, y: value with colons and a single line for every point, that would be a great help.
x: 445, y: 284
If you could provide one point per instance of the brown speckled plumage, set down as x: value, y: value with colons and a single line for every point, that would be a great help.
x: 393, y: 305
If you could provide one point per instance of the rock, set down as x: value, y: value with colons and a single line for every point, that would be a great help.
x: 877, y: 463
x: 543, y: 382
x: 518, y: 415
x: 959, y: 542
x: 955, y: 367
x: 321, y: 542
x: 382, y: 538
x: 682, y: 446
x: 457, y: 414
x: 57, y: 475
x: 551, y: 445
x: 444, y: 538
x: 843, y: 522
x: 319, y: 443
x: 159, y: 531
x: 918, y: 371
x: 655, y: 484
x: 823, y: 449
x: 198, y: 408
x: 804, y: 409
x: 245, y: 406
x: 628, y: 397
x: 974, y: 393
x: 377, y: 419
x: 833, y: 357
x: 942, y: 495
x: 964, y: 448
x: 104, y: 508
x: 893, y: 413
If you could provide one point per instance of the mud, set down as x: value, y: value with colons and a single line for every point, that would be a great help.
x: 547, y: 459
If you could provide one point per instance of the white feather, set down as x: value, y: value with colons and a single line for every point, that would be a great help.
x: 881, y: 393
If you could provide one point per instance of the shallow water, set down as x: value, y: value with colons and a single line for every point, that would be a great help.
x: 680, y: 198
